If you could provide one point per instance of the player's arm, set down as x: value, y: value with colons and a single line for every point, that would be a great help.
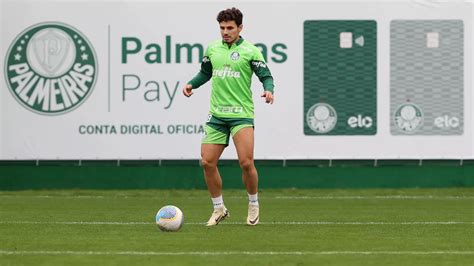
x: 203, y: 76
x: 260, y: 69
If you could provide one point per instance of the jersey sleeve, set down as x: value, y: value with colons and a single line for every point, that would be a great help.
x: 205, y: 74
x: 262, y: 71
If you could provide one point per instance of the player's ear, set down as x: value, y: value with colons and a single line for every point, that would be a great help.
x: 240, y: 27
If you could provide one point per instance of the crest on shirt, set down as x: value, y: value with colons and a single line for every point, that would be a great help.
x: 235, y: 56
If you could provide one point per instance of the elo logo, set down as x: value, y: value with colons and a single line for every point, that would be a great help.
x: 446, y: 121
x: 360, y: 121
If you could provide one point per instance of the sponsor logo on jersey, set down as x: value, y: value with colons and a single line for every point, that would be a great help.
x: 225, y: 72
x: 230, y: 109
x: 51, y: 68
x: 259, y: 64
x: 321, y: 118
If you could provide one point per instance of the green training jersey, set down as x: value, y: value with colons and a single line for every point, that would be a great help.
x: 231, y: 69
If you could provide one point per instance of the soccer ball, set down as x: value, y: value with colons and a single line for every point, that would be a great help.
x: 169, y: 218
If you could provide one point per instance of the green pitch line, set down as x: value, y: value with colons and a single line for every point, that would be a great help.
x: 306, y: 227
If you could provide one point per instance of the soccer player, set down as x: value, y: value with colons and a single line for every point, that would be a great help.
x: 230, y: 62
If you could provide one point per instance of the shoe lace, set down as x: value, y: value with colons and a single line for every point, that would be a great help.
x: 253, y: 210
x: 218, y: 212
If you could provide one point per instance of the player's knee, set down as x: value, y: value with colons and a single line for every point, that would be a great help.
x: 246, y: 164
x: 208, y: 164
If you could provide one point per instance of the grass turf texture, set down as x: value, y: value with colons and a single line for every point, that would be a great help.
x: 298, y: 227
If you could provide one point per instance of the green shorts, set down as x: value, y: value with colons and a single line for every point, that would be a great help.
x: 218, y: 130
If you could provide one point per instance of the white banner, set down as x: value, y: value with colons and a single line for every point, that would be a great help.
x: 117, y: 69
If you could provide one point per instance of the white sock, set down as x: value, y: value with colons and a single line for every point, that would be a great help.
x: 253, y: 199
x: 217, y: 202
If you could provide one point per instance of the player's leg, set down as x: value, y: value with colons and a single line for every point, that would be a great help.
x: 244, y: 144
x: 210, y: 154
x: 213, y: 144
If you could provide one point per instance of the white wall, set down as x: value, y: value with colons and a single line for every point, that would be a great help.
x: 28, y: 135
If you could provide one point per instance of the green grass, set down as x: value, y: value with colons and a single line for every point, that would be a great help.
x: 298, y: 227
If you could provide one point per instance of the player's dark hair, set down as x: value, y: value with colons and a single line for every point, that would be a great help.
x: 229, y: 15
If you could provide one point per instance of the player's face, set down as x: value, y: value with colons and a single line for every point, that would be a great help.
x: 230, y: 32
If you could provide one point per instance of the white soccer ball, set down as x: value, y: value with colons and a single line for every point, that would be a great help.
x: 169, y: 218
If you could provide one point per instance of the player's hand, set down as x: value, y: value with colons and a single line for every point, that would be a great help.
x: 188, y: 90
x: 268, y: 97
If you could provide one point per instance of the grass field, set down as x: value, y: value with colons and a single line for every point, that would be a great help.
x: 298, y: 227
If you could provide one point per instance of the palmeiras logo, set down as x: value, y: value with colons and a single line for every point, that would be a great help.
x: 51, y: 68
x: 235, y: 56
x: 408, y: 117
x: 321, y: 118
